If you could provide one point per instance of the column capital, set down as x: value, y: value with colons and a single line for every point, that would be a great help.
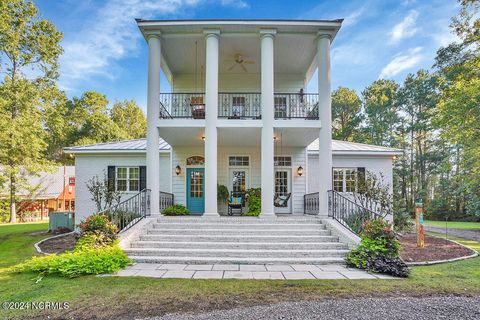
x: 211, y: 33
x: 322, y: 34
x: 268, y: 33
x: 152, y: 34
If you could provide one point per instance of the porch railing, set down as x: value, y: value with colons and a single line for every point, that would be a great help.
x: 128, y: 212
x: 348, y: 213
x: 296, y: 105
x: 182, y: 105
x: 311, y: 203
x: 239, y: 105
x: 166, y: 200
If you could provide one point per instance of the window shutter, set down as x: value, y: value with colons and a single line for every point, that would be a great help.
x: 143, y: 177
x: 111, y: 177
x: 361, y: 178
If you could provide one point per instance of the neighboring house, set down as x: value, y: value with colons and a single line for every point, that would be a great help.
x: 46, y: 192
x: 238, y: 115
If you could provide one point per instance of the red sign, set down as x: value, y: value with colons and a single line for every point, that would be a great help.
x: 71, y: 181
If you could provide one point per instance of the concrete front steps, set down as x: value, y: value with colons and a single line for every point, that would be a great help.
x: 237, y: 240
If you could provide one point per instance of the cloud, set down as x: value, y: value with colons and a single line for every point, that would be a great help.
x: 111, y: 34
x: 401, y: 62
x: 405, y: 29
x: 353, y: 17
x: 235, y: 3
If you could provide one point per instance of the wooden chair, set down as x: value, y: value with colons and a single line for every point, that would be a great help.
x: 198, y: 107
x: 237, y: 201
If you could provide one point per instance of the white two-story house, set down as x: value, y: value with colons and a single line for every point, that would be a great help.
x: 237, y: 114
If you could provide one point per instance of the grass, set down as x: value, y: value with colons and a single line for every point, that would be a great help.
x: 128, y: 297
x: 466, y: 242
x: 454, y: 224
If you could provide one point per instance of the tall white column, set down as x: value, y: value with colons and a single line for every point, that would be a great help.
x: 153, y: 113
x: 211, y: 114
x: 267, y: 37
x: 325, y: 115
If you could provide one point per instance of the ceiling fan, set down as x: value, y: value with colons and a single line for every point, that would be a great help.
x: 239, y: 60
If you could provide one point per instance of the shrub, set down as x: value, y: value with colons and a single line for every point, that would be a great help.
x: 176, y: 210
x: 402, y: 221
x: 254, y: 200
x: 99, y: 227
x: 72, y: 264
x: 222, y: 193
x: 382, y: 263
x: 378, y: 250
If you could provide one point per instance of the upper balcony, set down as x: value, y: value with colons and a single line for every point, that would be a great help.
x: 239, y: 106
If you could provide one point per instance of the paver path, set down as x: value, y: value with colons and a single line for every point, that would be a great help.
x: 247, y: 271
x: 460, y: 233
x: 369, y: 309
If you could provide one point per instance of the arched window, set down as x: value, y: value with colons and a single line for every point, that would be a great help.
x: 195, y: 161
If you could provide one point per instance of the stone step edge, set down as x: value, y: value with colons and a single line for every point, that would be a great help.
x: 216, y: 250
x: 237, y: 260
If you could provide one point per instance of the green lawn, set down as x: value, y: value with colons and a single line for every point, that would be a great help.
x: 454, y: 224
x: 127, y: 297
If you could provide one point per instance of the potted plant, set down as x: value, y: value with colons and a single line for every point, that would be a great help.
x: 222, y: 199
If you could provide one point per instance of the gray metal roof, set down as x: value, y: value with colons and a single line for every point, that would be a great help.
x: 46, y: 185
x: 140, y: 145
x: 346, y: 147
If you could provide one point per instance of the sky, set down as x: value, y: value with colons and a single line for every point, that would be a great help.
x: 104, y: 50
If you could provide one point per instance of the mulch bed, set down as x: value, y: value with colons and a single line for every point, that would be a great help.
x: 435, y: 249
x: 60, y: 244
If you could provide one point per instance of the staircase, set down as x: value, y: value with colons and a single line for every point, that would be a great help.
x: 237, y: 240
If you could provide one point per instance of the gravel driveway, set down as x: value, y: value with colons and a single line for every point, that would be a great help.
x: 370, y: 308
x: 460, y: 233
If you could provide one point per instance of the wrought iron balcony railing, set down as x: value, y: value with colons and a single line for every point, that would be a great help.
x: 296, y: 105
x: 239, y: 105
x: 182, y: 105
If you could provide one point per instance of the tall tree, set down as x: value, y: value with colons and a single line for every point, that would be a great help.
x: 380, y: 107
x: 346, y: 116
x: 128, y: 116
x: 27, y: 44
x: 89, y: 120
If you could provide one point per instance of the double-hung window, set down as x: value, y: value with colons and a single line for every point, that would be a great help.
x: 127, y: 178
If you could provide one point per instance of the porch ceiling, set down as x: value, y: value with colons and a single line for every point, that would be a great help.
x: 295, y: 137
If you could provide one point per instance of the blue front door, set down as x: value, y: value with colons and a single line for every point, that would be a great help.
x: 195, y: 190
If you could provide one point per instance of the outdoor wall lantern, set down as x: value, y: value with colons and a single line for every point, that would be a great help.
x: 178, y: 170
x: 300, y: 171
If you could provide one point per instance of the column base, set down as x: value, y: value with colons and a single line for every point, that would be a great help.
x: 211, y: 214
x: 267, y: 215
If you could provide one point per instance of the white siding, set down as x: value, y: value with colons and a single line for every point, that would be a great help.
x: 88, y: 166
x: 239, y: 82
x: 374, y: 164
x: 180, y: 154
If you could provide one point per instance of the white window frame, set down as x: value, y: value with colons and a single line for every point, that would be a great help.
x: 246, y: 168
x: 128, y: 179
x: 344, y: 178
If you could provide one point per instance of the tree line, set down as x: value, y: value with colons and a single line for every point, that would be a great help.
x: 37, y: 120
x: 434, y: 115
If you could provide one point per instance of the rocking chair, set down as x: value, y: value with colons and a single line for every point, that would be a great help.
x: 281, y: 201
x: 198, y: 107
x: 237, y: 201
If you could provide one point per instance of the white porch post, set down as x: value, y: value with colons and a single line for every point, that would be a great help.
x: 153, y: 112
x: 211, y: 114
x: 267, y: 47
x: 325, y: 115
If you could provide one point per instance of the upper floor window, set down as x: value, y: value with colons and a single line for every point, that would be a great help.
x: 345, y: 179
x: 282, y: 161
x: 127, y: 178
x: 195, y: 161
x: 238, y: 161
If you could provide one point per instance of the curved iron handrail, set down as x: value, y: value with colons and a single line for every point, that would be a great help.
x: 349, y: 213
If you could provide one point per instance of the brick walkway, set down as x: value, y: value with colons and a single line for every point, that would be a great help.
x: 245, y: 271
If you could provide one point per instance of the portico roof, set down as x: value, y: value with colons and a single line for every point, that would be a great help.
x: 140, y: 145
x: 183, y: 43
